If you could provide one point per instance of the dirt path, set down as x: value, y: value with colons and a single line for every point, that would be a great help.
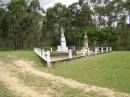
x: 16, y: 86
x: 71, y: 83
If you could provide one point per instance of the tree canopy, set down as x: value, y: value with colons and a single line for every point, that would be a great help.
x: 24, y: 24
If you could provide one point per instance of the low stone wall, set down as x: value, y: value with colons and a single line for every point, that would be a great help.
x: 60, y: 61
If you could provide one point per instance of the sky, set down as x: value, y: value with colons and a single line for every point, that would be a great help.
x: 49, y: 3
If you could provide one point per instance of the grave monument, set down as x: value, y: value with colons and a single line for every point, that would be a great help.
x: 62, y: 48
x: 86, y: 41
x: 85, y: 47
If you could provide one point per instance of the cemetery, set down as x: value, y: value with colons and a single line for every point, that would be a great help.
x: 64, y: 48
x: 65, y: 54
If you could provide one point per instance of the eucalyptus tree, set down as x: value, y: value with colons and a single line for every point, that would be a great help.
x: 53, y: 20
x: 80, y: 18
x: 123, y: 27
x: 33, y: 24
x: 127, y: 6
x: 23, y: 23
x: 16, y: 11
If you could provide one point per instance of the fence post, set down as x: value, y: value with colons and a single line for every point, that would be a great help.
x: 84, y: 53
x: 107, y: 49
x: 70, y: 53
x: 51, y: 50
x: 102, y: 50
x: 48, y: 59
x: 95, y: 50
x: 110, y: 49
x: 88, y: 51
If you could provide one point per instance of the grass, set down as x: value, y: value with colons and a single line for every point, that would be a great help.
x: 52, y: 88
x: 107, y: 70
x: 110, y: 70
x: 37, y: 83
x: 5, y: 92
x: 8, y: 56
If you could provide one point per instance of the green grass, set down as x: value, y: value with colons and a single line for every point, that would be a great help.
x: 8, y: 56
x: 37, y: 83
x: 110, y: 70
x: 5, y: 92
x: 18, y: 54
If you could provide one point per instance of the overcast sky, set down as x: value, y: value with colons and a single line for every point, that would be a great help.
x: 49, y: 3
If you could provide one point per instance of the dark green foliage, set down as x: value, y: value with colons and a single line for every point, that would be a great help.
x: 24, y: 24
x: 20, y: 25
x: 102, y: 37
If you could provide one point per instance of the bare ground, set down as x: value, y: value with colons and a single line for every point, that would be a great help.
x: 27, y: 66
x: 16, y: 85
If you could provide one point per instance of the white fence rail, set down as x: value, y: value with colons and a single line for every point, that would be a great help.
x: 85, y: 51
x: 44, y: 55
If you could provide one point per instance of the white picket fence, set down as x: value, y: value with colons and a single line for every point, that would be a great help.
x: 89, y: 51
x: 96, y: 50
x: 44, y: 55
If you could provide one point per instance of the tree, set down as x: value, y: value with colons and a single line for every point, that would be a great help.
x: 54, y: 19
x: 21, y: 24
x: 24, y: 24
